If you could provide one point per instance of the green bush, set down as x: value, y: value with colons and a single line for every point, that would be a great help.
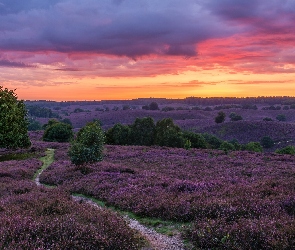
x: 118, y: 135
x: 234, y: 117
x: 88, y: 145
x: 57, y: 132
x: 197, y: 140
x: 227, y: 146
x: 289, y: 150
x: 220, y: 117
x: 212, y: 141
x: 142, y: 131
x: 254, y: 147
x: 13, y: 121
x: 168, y: 134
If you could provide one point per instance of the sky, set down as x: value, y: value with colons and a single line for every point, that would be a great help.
x: 123, y: 49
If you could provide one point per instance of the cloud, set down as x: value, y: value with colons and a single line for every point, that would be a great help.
x: 7, y: 63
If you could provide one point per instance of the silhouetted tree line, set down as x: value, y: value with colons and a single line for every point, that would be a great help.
x: 37, y: 111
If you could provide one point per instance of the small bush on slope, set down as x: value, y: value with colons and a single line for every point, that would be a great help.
x: 88, y: 146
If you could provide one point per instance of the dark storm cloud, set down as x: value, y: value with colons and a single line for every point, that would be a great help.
x: 132, y: 28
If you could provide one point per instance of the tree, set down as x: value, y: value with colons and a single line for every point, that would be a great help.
x: 142, y: 131
x: 227, y: 146
x: 118, y: 135
x: 168, y: 134
x: 34, y: 125
x: 154, y: 106
x: 266, y: 142
x: 88, y: 145
x: 196, y: 140
x: 13, y: 121
x: 281, y: 118
x: 220, y: 117
x: 58, y: 131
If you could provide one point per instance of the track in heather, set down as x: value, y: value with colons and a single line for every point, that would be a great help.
x: 156, y: 240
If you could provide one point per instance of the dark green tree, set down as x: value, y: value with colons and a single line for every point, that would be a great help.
x: 88, y: 145
x: 58, y: 131
x: 142, y: 131
x: 234, y: 117
x: 13, y: 121
x: 197, y: 140
x: 266, y: 142
x: 34, y: 125
x: 212, y: 141
x: 168, y: 134
x: 220, y: 117
x: 118, y: 135
x: 154, y: 106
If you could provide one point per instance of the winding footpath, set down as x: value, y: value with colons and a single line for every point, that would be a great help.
x: 156, y: 240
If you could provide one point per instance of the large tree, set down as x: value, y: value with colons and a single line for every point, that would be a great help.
x: 13, y: 121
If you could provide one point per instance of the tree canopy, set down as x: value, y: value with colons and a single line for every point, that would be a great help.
x: 13, y: 121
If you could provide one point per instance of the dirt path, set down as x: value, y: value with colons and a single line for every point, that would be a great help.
x: 156, y: 240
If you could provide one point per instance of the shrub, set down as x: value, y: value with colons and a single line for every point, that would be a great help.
x: 253, y: 146
x: 220, y: 117
x: 153, y: 106
x: 267, y: 119
x: 118, y: 135
x: 234, y: 117
x: 227, y: 146
x: 58, y: 132
x: 89, y: 144
x: 290, y: 150
x: 168, y: 134
x: 197, y: 140
x: 213, y: 141
x: 281, y: 118
x: 142, y: 131
x: 267, y: 142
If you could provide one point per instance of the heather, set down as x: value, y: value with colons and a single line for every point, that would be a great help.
x: 229, y: 198
x: 34, y: 217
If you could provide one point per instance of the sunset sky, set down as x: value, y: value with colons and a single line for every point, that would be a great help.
x: 124, y: 49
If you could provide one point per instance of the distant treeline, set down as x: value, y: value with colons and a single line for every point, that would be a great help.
x: 210, y: 101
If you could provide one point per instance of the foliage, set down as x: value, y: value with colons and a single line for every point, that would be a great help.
x: 13, y: 121
x: 167, y: 108
x: 220, y: 117
x: 234, y: 117
x: 88, y: 145
x: 196, y: 140
x: 118, y: 135
x: 254, y: 147
x: 266, y: 142
x: 37, y: 111
x: 213, y: 141
x: 281, y: 118
x: 153, y: 106
x: 168, y: 134
x: 267, y: 119
x: 227, y: 146
x: 57, y: 131
x: 290, y: 150
x: 34, y: 125
x: 67, y: 121
x: 142, y: 131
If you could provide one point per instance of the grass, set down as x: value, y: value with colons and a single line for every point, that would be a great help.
x: 169, y: 228
x: 47, y: 160
x: 17, y: 156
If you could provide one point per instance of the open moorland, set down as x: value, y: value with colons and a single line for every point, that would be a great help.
x: 195, y: 196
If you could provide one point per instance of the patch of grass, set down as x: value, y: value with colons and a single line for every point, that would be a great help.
x: 16, y: 156
x: 47, y: 160
x: 169, y: 228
